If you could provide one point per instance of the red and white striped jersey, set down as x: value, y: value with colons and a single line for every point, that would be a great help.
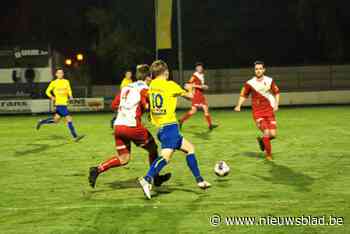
x: 263, y: 93
x: 197, y: 79
x: 131, y: 103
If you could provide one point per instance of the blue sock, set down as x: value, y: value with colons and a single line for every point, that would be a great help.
x: 193, y: 165
x: 72, y: 130
x: 156, y: 167
x: 47, y: 121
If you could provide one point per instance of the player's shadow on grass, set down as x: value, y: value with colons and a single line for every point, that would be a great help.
x: 164, y: 189
x: 124, y: 184
x: 284, y: 175
x: 204, y: 135
x: 256, y: 155
x: 38, y: 148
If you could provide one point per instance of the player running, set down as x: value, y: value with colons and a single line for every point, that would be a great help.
x: 198, y: 85
x: 62, y: 91
x: 128, y: 79
x: 163, y: 97
x: 131, y: 103
x: 265, y: 101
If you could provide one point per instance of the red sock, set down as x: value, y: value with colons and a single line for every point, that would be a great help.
x: 185, y: 117
x: 112, y: 162
x: 208, y: 118
x: 267, y: 144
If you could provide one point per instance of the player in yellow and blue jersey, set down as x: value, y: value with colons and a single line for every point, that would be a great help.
x: 163, y: 98
x: 62, y: 92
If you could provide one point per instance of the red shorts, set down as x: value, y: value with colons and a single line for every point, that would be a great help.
x: 268, y: 122
x: 199, y: 101
x: 124, y: 135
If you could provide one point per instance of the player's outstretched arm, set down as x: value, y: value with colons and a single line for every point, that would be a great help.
x: 70, y: 93
x: 240, y: 102
x: 187, y: 95
x: 49, y: 90
x: 277, y: 97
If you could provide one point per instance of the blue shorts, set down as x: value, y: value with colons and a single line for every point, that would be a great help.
x: 62, y: 111
x: 170, y: 137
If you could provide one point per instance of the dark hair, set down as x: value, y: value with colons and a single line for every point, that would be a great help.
x: 142, y: 72
x: 59, y: 68
x: 259, y: 63
x: 158, y: 67
x: 199, y: 64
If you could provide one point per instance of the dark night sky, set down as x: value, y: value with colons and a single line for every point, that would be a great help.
x: 223, y: 33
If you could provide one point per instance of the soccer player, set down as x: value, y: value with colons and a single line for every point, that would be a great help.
x: 131, y: 104
x: 163, y: 97
x: 127, y: 79
x: 265, y: 101
x: 198, y: 85
x: 125, y: 82
x: 60, y: 87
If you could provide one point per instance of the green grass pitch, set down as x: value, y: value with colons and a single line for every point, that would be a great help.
x: 44, y: 188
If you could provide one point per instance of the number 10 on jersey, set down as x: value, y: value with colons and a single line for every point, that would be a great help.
x: 157, y: 104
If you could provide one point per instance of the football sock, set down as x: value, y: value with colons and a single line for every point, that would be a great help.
x: 156, y: 167
x: 47, y: 121
x: 193, y: 165
x: 267, y: 144
x: 186, y: 117
x: 71, y: 129
x: 208, y: 118
x: 112, y: 162
x: 152, y: 156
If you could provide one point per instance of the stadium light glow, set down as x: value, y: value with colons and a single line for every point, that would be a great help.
x: 80, y: 57
x: 68, y: 62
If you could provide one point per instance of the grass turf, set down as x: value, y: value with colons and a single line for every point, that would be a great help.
x: 44, y: 189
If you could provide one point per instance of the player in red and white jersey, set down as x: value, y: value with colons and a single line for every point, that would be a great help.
x: 197, y: 83
x: 265, y: 100
x: 131, y: 103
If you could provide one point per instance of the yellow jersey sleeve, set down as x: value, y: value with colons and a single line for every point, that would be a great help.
x: 70, y: 94
x: 175, y: 89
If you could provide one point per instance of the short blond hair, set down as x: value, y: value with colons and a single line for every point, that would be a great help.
x: 142, y: 72
x: 158, y: 68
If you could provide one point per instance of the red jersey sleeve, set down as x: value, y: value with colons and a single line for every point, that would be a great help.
x: 191, y: 81
x: 246, y: 90
x: 144, y: 98
x: 274, y: 88
x: 116, y: 102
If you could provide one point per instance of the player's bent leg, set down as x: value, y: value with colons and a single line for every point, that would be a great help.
x: 207, y: 116
x: 188, y: 115
x: 156, y: 167
x: 152, y: 149
x: 193, y: 164
x: 273, y: 134
x: 267, y: 144
x: 72, y: 130
x: 159, y: 164
x: 57, y: 118
x: 50, y: 120
x: 115, y: 161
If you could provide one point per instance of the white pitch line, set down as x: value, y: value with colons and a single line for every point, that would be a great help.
x: 154, y: 205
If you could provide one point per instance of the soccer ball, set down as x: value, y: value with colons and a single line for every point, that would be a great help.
x: 221, y: 169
